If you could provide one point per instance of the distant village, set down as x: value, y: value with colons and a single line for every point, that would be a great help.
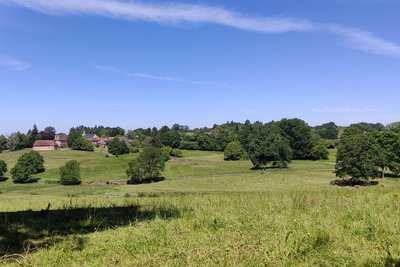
x: 60, y: 141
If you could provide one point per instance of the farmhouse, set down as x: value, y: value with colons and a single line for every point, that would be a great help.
x: 61, y: 140
x: 42, y: 145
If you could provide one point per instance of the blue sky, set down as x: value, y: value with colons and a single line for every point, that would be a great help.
x: 150, y: 63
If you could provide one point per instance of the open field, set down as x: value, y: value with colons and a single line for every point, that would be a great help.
x: 207, y: 212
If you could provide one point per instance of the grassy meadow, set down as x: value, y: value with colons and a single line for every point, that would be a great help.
x: 208, y: 212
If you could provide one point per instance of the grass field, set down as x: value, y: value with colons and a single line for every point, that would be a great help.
x: 207, y: 212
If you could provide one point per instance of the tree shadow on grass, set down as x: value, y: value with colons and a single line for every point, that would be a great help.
x: 25, y: 231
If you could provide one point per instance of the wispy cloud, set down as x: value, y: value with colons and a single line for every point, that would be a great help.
x: 365, y: 41
x: 344, y: 110
x: 176, y: 13
x: 8, y: 63
x: 160, y: 78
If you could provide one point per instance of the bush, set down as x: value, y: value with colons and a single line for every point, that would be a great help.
x: 166, y: 152
x: 117, y: 147
x: 133, y: 149
x: 146, y: 167
x: 319, y: 152
x: 233, y: 151
x: 70, y: 173
x: 82, y: 144
x: 189, y: 145
x: 27, y: 165
x: 3, y: 168
x: 175, y: 152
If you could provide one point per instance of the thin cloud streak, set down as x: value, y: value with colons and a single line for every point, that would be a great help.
x: 12, y: 64
x: 175, y: 13
x: 161, y: 78
x: 365, y: 41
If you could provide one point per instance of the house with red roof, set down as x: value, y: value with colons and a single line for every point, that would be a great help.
x: 44, y: 145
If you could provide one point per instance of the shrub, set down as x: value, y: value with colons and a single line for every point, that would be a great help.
x: 166, y: 152
x: 146, y: 167
x: 319, y: 152
x: 233, y: 151
x: 117, y: 147
x: 3, y: 168
x: 133, y: 149
x: 82, y: 144
x: 189, y: 145
x: 27, y: 165
x: 70, y: 173
x: 175, y: 152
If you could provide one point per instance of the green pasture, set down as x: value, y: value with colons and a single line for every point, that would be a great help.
x: 208, y: 212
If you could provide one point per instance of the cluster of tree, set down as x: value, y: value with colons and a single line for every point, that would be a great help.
x: 366, y: 152
x: 100, y: 131
x: 328, y: 131
x: 18, y: 140
x: 76, y: 141
x: 280, y: 142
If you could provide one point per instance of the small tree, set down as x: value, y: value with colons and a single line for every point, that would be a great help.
x: 233, y: 151
x: 117, y: 147
x: 3, y: 169
x: 82, y: 144
x: 3, y: 143
x: 27, y: 165
x: 70, y: 173
x: 146, y: 167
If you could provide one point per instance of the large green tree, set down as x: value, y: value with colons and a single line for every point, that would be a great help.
x: 170, y: 138
x: 300, y: 137
x: 358, y: 157
x: 267, y: 145
x: 233, y: 151
x: 146, y: 167
x: 389, y: 145
x: 73, y: 135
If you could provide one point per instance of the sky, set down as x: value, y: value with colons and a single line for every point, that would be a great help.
x: 152, y: 63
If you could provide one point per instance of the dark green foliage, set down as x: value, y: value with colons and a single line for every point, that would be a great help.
x: 300, y: 137
x: 206, y: 142
x: 328, y: 131
x: 133, y: 149
x: 3, y: 143
x: 48, y: 133
x: 72, y: 138
x: 171, y: 138
x: 368, y: 127
x: 389, y: 145
x: 358, y: 157
x: 82, y: 144
x: 175, y: 152
x: 233, y: 151
x: 3, y: 168
x: 267, y: 145
x: 319, y: 152
x: 27, y: 165
x: 117, y: 147
x: 189, y: 145
x: 146, y: 167
x: 70, y: 173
